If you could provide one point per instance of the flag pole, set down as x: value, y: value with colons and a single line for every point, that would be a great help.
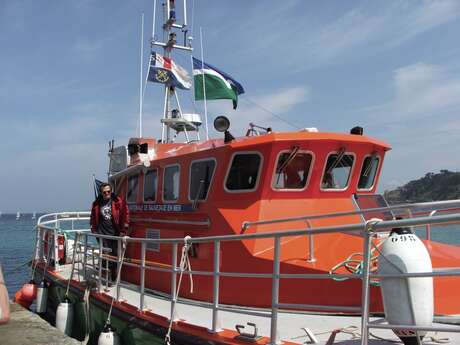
x: 141, y: 77
x: 94, y: 186
x: 148, y: 67
x: 204, y: 87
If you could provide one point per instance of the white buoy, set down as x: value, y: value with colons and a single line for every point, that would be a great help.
x: 108, y: 336
x: 64, y: 317
x: 42, y: 297
x: 406, y: 301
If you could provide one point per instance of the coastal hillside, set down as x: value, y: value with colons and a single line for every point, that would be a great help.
x: 444, y: 185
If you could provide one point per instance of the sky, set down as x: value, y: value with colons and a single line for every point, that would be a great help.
x: 70, y: 70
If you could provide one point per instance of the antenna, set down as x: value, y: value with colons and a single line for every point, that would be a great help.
x: 154, y: 19
x: 141, y: 75
x: 204, y: 87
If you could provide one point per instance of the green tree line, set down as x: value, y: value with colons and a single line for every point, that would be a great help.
x: 444, y: 185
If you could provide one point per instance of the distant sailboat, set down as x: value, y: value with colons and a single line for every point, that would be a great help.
x: 34, y: 215
x: 18, y: 215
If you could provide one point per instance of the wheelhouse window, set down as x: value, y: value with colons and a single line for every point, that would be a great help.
x: 150, y: 185
x: 244, y: 172
x: 171, y: 183
x: 201, y: 173
x: 368, y: 172
x: 338, y: 170
x: 292, y: 170
x: 133, y: 184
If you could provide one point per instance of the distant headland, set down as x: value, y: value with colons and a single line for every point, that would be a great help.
x: 444, y: 185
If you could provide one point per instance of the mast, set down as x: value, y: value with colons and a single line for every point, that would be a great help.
x: 173, y: 119
x: 141, y: 76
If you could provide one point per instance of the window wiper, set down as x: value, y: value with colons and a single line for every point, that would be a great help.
x: 288, y: 160
x: 334, y: 164
x: 195, y: 201
x: 369, y: 166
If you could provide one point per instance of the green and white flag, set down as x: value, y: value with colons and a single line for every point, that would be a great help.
x: 218, y: 84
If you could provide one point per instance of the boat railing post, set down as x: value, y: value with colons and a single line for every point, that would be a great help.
x: 409, y: 213
x: 274, y: 336
x: 56, y: 249
x: 216, y: 281
x: 118, y: 264
x: 85, y: 249
x: 99, y: 284
x: 173, y: 281
x: 311, y: 244
x: 365, y: 283
x: 37, y: 243
x: 57, y: 223
x: 106, y: 269
x: 40, y: 243
x: 93, y: 259
x: 428, y: 226
x: 142, y: 278
x: 49, y: 247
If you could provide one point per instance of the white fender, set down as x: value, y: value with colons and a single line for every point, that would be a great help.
x: 108, y: 336
x: 64, y: 317
x: 406, y: 301
x: 42, y: 297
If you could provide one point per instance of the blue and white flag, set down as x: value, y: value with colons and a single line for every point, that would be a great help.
x: 165, y: 71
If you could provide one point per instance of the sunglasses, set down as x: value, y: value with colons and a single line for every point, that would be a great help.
x: 106, y: 192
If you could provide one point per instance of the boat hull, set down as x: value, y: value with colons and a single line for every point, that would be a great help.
x: 134, y: 327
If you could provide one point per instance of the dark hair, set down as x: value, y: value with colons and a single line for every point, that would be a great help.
x: 103, y: 185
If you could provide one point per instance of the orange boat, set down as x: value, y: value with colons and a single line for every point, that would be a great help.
x: 215, y: 188
x: 266, y: 222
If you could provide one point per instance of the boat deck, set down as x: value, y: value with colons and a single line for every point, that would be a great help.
x: 291, y: 324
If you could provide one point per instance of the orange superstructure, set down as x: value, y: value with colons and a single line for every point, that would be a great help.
x: 213, y: 187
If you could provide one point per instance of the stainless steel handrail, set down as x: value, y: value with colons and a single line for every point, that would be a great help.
x: 45, y: 225
x: 446, y: 204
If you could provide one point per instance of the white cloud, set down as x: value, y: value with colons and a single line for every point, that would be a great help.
x: 351, y: 30
x: 267, y: 110
x: 420, y: 90
x: 423, y: 89
x: 430, y: 14
x: 354, y: 33
x: 420, y: 122
x: 374, y: 28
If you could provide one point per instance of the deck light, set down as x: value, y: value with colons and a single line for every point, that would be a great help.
x: 221, y: 123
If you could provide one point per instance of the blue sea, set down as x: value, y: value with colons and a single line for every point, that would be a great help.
x: 17, y: 239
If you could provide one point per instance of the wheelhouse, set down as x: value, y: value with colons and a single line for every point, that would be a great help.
x: 275, y: 166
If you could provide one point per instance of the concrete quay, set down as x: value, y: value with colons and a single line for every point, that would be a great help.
x: 27, y: 328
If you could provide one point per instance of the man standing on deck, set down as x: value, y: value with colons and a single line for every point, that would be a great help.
x: 109, y: 216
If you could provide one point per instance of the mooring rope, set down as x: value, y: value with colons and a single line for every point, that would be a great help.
x: 184, y: 265
x: 87, y: 312
x: 77, y: 236
x: 118, y: 276
x: 354, y: 265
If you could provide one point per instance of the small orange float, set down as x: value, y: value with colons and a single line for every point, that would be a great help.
x: 26, y: 295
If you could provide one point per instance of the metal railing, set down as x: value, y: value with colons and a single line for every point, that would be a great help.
x: 368, y: 230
